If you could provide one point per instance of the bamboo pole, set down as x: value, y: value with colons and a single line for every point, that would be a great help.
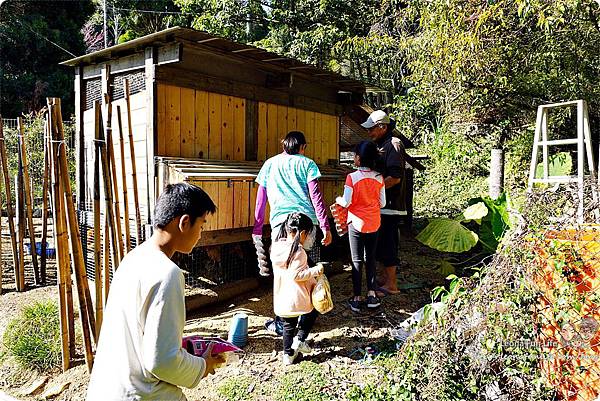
x: 9, y: 208
x: 20, y: 268
x: 62, y: 255
x: 28, y: 195
x: 124, y: 180
x: 97, y: 240
x: 113, y: 171
x: 86, y: 307
x: 44, y: 208
x: 136, y: 198
x: 106, y: 272
x: 108, y: 187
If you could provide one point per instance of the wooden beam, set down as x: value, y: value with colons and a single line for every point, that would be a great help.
x: 80, y: 176
x: 150, y: 59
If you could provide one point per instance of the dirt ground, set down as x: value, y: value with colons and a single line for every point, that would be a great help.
x: 337, y: 339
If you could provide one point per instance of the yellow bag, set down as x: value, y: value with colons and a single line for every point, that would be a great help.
x: 321, y: 295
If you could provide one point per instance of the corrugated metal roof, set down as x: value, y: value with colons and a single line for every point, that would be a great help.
x: 225, y: 47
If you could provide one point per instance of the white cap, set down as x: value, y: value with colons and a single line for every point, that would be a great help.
x: 376, y: 117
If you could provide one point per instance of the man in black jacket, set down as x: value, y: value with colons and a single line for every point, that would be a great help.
x: 380, y: 128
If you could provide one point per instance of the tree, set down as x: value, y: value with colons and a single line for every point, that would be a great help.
x: 35, y: 36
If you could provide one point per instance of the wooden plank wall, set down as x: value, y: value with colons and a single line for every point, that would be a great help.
x: 198, y: 124
x: 321, y: 131
x: 138, y: 121
x: 206, y: 125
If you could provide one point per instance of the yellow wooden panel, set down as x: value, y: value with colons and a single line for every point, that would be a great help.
x: 328, y: 137
x: 239, y: 128
x: 252, y: 201
x: 337, y: 138
x: 161, y: 116
x: 282, y: 121
x: 310, y: 134
x: 188, y: 122
x: 214, y: 126
x: 227, y: 128
x: 261, y: 153
x: 226, y: 211
x: 201, y: 128
x: 212, y: 189
x: 246, y: 218
x: 291, y: 119
x: 301, y: 121
x: 173, y: 97
x: 272, y: 135
x: 318, y: 139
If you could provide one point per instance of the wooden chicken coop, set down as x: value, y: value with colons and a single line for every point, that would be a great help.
x: 208, y: 111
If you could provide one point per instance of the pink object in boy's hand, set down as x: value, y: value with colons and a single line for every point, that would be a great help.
x: 196, y: 345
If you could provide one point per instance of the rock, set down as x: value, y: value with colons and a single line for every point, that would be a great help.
x: 35, y: 386
x: 55, y: 389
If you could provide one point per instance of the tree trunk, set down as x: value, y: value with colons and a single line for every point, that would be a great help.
x: 497, y: 173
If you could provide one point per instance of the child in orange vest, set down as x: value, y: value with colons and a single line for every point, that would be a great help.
x: 364, y: 195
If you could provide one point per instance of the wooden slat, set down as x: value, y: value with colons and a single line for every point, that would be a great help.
x: 318, y: 139
x: 252, y: 202
x: 326, y: 137
x: 238, y: 206
x: 272, y: 135
x: 301, y: 121
x: 161, y: 116
x: 282, y: 125
x: 188, y: 122
x: 227, y: 128
x: 262, y: 132
x: 291, y: 119
x: 247, y: 209
x: 214, y: 126
x: 239, y: 129
x: 226, y: 205
x: 173, y: 98
x: 311, y: 149
x: 201, y: 129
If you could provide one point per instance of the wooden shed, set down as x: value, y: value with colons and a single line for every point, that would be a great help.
x: 209, y: 111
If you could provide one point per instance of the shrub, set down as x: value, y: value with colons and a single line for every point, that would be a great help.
x: 33, y: 338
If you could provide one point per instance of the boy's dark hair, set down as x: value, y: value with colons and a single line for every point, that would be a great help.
x: 293, y: 141
x: 179, y: 199
x: 295, y: 223
x: 367, y: 153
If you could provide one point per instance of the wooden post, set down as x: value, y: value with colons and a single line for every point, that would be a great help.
x: 106, y: 273
x: 44, y: 206
x: 20, y: 268
x: 97, y: 239
x: 9, y: 208
x: 28, y: 195
x: 124, y: 180
x: 113, y: 172
x: 136, y: 198
x: 108, y: 188
x: 85, y: 302
x: 62, y: 257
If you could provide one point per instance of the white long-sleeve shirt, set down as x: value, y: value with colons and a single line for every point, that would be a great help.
x: 139, y: 354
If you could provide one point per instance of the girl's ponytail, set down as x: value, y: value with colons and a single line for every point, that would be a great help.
x: 294, y: 224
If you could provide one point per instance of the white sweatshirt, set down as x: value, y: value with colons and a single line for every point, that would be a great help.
x: 139, y: 354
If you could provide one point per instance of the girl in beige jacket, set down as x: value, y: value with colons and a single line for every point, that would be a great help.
x: 293, y: 282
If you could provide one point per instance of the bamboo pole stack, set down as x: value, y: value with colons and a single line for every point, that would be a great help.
x: 68, y: 237
x: 136, y: 199
x: 28, y: 196
x: 8, y: 197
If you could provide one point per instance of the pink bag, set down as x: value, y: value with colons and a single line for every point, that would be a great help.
x: 196, y: 345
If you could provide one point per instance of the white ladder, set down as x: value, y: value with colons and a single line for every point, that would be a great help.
x: 584, y: 151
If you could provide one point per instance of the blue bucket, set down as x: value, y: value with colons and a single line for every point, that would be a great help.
x: 238, y: 331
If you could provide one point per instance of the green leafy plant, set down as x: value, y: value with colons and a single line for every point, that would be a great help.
x: 451, y: 235
x: 236, y: 388
x: 33, y: 338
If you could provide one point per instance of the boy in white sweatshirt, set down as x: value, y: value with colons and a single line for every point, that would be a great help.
x: 139, y: 354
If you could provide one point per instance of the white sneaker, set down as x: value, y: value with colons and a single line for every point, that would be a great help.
x: 289, y: 359
x: 301, y: 346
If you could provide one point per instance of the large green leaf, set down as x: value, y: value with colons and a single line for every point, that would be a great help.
x: 447, y: 235
x: 476, y: 211
x: 495, y: 223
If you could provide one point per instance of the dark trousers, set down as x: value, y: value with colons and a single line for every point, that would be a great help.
x: 363, y: 247
x: 305, y: 325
